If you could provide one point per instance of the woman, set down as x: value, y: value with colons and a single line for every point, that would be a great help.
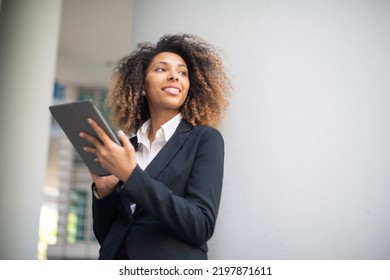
x: 162, y: 199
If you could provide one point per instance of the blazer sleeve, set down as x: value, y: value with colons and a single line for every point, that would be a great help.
x: 191, y: 216
x: 103, y: 213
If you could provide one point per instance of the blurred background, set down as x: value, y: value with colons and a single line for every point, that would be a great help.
x: 307, y: 133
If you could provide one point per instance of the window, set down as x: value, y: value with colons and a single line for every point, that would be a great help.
x: 75, y: 228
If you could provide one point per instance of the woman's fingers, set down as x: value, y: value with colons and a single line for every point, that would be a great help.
x: 93, y: 140
x: 125, y: 140
x: 99, y: 131
x: 97, y: 142
x: 118, y: 160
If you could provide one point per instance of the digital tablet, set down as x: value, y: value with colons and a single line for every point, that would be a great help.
x: 72, y: 118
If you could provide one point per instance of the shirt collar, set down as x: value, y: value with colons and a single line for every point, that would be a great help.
x: 164, y: 133
x: 170, y: 126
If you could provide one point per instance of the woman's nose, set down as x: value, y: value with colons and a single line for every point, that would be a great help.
x: 173, y: 76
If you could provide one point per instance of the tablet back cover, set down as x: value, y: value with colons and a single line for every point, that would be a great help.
x: 72, y: 118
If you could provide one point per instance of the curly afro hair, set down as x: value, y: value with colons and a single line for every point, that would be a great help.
x: 209, y: 89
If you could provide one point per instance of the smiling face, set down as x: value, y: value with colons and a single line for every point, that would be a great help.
x: 166, y: 83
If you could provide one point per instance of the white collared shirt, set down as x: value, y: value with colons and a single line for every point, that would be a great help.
x: 146, y: 152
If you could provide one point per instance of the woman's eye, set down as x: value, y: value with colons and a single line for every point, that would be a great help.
x: 160, y: 70
x: 183, y: 73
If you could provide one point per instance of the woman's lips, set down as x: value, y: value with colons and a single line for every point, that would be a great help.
x: 171, y: 90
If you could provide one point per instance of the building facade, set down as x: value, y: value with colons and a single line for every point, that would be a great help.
x: 66, y: 216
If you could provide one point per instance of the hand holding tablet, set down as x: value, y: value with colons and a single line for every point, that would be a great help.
x: 72, y: 118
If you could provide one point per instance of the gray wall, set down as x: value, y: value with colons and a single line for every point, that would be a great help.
x: 307, y: 134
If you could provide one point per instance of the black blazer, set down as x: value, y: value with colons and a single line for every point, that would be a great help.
x: 177, y: 199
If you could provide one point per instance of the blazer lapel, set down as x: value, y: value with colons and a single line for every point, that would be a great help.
x: 166, y: 154
x: 134, y: 142
x: 124, y: 200
x: 169, y: 150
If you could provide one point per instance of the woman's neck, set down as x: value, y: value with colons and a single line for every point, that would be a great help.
x: 157, y: 119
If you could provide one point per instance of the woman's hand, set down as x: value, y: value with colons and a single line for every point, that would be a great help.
x: 120, y: 161
x: 104, y: 184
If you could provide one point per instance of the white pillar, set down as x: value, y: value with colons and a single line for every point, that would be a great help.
x: 29, y: 32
